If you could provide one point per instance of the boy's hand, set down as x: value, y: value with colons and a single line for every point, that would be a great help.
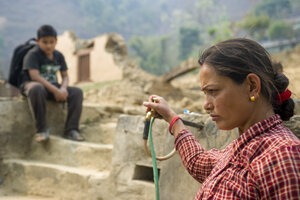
x: 61, y: 94
x: 64, y: 92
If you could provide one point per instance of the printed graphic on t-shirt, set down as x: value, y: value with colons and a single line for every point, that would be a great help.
x: 49, y: 72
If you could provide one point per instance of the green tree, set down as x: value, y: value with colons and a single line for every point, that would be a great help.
x: 1, y: 50
x: 221, y: 32
x: 280, y: 30
x: 188, y: 37
x: 151, y: 53
x: 208, y: 12
x: 275, y: 9
x: 295, y: 4
x: 256, y: 26
x: 121, y: 16
x: 162, y: 17
x: 257, y: 22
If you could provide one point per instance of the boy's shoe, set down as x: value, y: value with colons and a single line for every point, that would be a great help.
x: 73, y: 135
x: 42, y: 137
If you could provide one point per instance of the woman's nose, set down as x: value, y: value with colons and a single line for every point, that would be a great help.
x: 207, y: 105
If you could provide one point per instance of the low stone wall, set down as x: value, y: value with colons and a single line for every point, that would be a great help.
x: 18, y: 127
x: 130, y: 160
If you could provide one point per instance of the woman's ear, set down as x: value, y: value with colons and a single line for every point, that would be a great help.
x: 254, y: 84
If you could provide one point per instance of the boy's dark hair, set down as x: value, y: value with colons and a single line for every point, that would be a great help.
x: 46, y: 30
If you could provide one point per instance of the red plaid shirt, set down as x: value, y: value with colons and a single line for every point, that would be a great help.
x: 263, y: 163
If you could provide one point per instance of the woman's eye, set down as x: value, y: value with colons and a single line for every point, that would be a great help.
x: 211, y: 91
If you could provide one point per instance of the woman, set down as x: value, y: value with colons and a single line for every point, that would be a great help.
x: 242, y: 89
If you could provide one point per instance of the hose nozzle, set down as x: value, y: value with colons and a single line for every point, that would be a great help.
x: 152, y: 112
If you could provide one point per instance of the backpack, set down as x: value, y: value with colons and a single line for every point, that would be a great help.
x: 16, y: 72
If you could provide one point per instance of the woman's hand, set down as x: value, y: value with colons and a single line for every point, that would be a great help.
x: 161, y: 107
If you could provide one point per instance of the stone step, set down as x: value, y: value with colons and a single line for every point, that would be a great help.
x: 136, y: 190
x: 21, y: 197
x: 71, y: 153
x: 103, y: 132
x: 92, y: 113
x: 57, y: 181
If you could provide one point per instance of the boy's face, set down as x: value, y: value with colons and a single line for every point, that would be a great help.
x: 47, y: 44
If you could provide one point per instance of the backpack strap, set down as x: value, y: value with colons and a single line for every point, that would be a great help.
x: 30, y: 40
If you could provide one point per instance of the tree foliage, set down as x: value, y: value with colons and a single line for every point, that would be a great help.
x: 121, y: 16
x: 256, y: 26
x: 189, y: 38
x: 266, y: 18
x: 190, y: 25
x: 151, y: 53
x: 1, y: 46
x: 280, y: 30
x: 275, y: 9
x: 1, y: 49
x: 221, y: 32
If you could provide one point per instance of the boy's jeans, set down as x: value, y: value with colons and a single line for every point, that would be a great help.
x: 38, y: 95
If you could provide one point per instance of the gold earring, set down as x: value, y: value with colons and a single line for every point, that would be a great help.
x: 252, y: 99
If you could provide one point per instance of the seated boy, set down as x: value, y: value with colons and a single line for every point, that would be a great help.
x: 40, y: 65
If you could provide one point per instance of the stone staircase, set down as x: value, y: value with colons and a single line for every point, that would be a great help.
x: 62, y: 169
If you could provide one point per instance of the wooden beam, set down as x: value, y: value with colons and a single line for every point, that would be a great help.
x: 185, y: 67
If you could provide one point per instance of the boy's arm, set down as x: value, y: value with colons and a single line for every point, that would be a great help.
x: 64, y: 84
x: 65, y: 79
x: 35, y: 76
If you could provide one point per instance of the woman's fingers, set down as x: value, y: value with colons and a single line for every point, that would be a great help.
x: 154, y: 98
x: 159, y: 105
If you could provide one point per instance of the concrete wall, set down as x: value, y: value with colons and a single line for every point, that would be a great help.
x: 66, y: 45
x: 128, y: 154
x: 102, y: 66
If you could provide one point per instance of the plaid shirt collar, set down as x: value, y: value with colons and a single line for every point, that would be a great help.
x: 254, y: 131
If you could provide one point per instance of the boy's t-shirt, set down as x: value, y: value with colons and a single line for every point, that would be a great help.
x: 36, y: 59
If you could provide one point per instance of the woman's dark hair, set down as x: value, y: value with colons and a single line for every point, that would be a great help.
x: 46, y: 30
x: 236, y: 58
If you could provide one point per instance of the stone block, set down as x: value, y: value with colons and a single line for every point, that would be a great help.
x: 294, y: 125
x: 128, y: 153
x: 92, y: 113
x: 174, y: 176
x: 297, y: 106
x: 18, y: 127
x: 75, y: 154
x: 34, y: 178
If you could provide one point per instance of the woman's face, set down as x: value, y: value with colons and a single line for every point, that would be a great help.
x: 227, y: 102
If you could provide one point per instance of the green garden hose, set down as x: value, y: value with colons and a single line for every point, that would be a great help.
x: 155, y: 171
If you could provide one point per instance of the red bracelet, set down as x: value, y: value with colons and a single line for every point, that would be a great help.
x: 172, y: 123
